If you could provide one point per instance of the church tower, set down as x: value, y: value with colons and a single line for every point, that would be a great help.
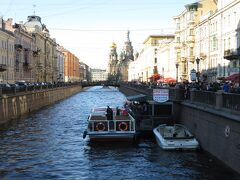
x: 113, y: 60
x: 125, y: 57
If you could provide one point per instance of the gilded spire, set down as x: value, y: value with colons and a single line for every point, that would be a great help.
x: 113, y: 46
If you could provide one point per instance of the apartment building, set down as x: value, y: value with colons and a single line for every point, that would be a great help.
x: 218, y: 41
x: 185, y: 35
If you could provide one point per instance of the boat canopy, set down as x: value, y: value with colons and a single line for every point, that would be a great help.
x: 139, y: 97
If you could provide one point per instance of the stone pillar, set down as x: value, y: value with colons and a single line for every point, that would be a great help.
x: 219, y: 99
x: 192, y: 95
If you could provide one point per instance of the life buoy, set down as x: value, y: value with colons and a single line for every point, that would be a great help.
x: 123, y: 126
x: 100, y: 127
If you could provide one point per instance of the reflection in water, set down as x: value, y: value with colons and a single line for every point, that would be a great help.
x: 49, y: 145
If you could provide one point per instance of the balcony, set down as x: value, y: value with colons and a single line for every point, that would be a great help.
x: 203, y: 56
x: 190, y: 38
x: 191, y: 59
x: 232, y: 54
x: 3, y: 67
x: 183, y: 59
x: 27, y: 65
x: 18, y: 47
x: 177, y: 45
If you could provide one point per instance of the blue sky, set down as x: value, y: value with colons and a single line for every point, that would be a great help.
x: 88, y: 27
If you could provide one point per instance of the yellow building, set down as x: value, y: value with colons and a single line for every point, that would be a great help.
x: 185, y: 34
x: 44, y: 54
x: 7, y: 40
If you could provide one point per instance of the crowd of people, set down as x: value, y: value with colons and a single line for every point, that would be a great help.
x: 226, y: 86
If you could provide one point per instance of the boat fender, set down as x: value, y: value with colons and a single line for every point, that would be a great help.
x: 100, y: 127
x: 123, y: 126
x: 84, y: 134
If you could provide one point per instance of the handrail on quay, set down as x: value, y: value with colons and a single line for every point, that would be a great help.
x: 217, y: 100
x: 25, y: 89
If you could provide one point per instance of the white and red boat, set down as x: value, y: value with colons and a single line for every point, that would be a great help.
x: 120, y: 128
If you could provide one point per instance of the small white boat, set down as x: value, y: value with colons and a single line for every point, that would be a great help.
x: 174, y: 137
x: 120, y: 128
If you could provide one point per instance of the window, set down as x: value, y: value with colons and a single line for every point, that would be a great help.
x: 191, y: 51
x: 155, y: 60
x: 178, y: 39
x: 214, y: 43
x: 191, y: 32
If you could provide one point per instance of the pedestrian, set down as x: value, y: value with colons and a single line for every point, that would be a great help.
x: 226, y: 87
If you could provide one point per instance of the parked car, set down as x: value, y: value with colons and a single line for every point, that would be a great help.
x: 22, y: 85
x: 5, y: 86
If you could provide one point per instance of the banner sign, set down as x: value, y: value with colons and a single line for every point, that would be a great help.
x: 160, y: 95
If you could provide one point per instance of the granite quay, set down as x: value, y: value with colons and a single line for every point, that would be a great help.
x: 213, y: 117
x: 16, y: 103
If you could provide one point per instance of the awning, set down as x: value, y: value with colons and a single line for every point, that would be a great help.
x: 139, y: 97
x: 233, y: 77
x: 167, y: 80
x: 155, y: 77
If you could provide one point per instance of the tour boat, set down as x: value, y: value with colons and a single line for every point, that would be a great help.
x: 120, y: 128
x: 174, y: 137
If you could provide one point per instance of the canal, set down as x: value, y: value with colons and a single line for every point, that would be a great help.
x: 49, y: 145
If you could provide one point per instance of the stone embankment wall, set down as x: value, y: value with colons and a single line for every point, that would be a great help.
x: 217, y: 131
x: 15, y: 106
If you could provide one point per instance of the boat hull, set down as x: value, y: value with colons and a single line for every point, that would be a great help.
x: 111, y: 137
x: 171, y: 143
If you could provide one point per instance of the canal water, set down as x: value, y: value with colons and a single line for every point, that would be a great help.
x: 49, y: 145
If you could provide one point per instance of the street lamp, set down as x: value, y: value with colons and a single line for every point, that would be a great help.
x: 177, y: 72
x: 197, y: 61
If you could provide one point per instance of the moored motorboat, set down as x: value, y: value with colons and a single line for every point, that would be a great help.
x: 174, y: 137
x: 121, y: 126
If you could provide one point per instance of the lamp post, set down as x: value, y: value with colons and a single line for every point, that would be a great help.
x: 177, y: 72
x: 197, y: 61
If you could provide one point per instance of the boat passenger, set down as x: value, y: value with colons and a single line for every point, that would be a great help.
x: 109, y: 113
x: 117, y: 111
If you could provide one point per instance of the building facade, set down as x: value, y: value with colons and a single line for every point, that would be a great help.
x: 44, y: 50
x: 151, y: 59
x: 71, y: 67
x: 217, y: 40
x: 60, y: 64
x: 99, y: 75
x: 24, y: 60
x: 185, y: 35
x: 7, y: 41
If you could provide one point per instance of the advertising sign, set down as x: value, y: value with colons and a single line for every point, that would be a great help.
x: 160, y: 95
x: 193, y: 75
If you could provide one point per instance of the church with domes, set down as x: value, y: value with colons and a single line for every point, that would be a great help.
x: 118, y: 65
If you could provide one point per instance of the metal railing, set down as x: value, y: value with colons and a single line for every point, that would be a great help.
x: 231, y: 101
x: 206, y: 97
x: 217, y: 100
x: 22, y: 89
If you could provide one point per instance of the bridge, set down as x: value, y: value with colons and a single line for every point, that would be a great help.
x: 101, y: 83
